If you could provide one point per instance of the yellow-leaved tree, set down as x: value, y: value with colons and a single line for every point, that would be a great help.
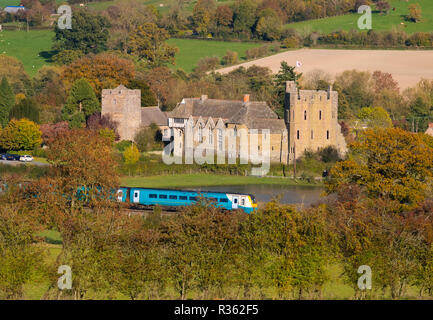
x: 20, y: 134
x: 131, y: 155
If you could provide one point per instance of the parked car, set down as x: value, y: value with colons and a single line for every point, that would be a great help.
x: 8, y: 156
x: 26, y: 158
x: 2, y: 156
x: 16, y: 157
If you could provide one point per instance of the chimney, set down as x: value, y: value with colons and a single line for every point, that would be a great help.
x: 246, y: 98
x: 203, y: 97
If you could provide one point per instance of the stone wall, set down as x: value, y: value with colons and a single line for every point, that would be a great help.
x: 124, y: 107
x: 312, y: 118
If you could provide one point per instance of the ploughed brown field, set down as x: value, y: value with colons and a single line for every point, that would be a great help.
x: 407, y: 67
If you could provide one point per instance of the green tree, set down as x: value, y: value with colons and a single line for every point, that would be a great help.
x: 375, y: 117
x: 26, y: 108
x: 244, y: 16
x: 7, y: 101
x: 131, y: 155
x: 421, y: 112
x: 81, y: 103
x: 21, y: 260
x: 147, y: 96
x: 286, y: 73
x: 89, y: 33
x: 20, y: 134
x: 148, y: 43
x: 269, y: 25
x: 66, y: 57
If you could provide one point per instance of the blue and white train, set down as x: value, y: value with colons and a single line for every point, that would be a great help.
x: 177, y: 198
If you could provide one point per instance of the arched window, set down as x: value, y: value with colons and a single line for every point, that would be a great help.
x: 200, y: 133
x: 220, y: 139
x: 327, y: 134
x: 320, y: 115
x: 305, y: 115
x: 210, y: 136
x: 297, y: 134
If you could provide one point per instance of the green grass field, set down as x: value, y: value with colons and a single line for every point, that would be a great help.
x: 379, y: 22
x: 202, y: 180
x: 191, y: 50
x: 31, y: 48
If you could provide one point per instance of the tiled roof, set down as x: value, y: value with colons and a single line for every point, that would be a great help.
x: 151, y: 115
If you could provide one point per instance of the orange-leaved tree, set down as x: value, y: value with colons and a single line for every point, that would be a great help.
x: 388, y: 163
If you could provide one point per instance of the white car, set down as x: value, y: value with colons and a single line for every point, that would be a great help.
x: 26, y: 158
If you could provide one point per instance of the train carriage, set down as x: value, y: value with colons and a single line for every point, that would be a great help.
x: 177, y: 198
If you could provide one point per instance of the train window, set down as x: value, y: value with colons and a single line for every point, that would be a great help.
x: 224, y: 200
x: 242, y: 201
x: 173, y: 197
x: 183, y: 198
x: 193, y: 198
x: 213, y: 199
x: 152, y: 196
x: 163, y: 196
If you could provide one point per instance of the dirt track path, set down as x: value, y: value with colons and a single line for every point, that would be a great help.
x: 407, y: 67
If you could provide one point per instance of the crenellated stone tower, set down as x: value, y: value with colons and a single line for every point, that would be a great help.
x: 124, y: 107
x: 311, y: 118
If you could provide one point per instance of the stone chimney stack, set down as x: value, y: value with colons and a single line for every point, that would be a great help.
x: 246, y: 98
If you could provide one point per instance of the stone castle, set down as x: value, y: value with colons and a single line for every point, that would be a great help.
x: 310, y: 121
x: 124, y: 107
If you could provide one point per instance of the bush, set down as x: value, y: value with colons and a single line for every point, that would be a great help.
x: 230, y: 58
x: 329, y: 154
x: 122, y: 145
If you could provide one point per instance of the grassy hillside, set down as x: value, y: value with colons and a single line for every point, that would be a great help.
x: 380, y: 22
x: 191, y: 50
x: 32, y: 48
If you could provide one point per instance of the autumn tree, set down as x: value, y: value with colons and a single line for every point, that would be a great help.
x: 97, y: 122
x: 7, y: 101
x: 389, y: 163
x: 21, y: 258
x: 124, y: 18
x: 50, y: 131
x: 268, y: 25
x: 102, y: 71
x: 13, y: 70
x: 148, y: 43
x: 201, y: 17
x: 81, y: 103
x: 89, y: 33
x: 201, y: 243
x: 81, y: 158
x: 20, y: 134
